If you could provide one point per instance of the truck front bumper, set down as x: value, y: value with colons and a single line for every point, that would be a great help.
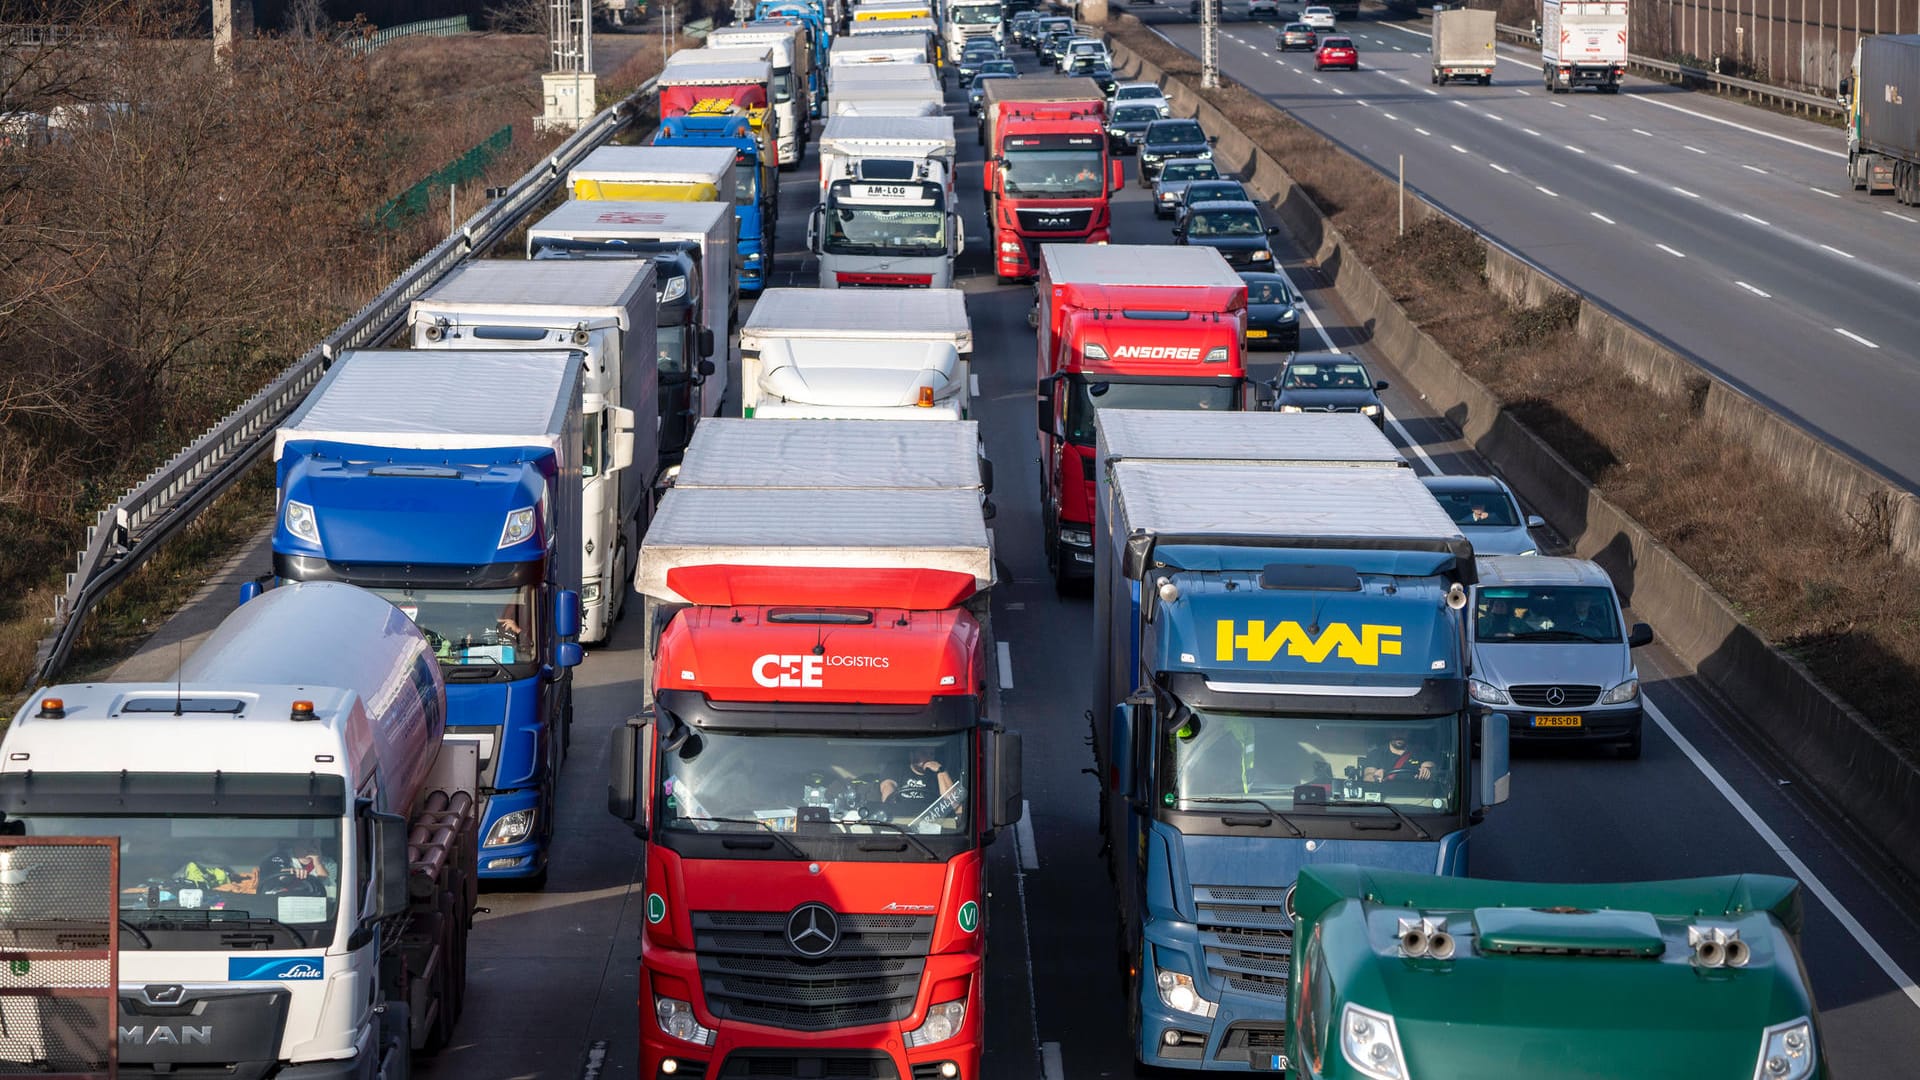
x: 1245, y: 1033
x: 1017, y: 256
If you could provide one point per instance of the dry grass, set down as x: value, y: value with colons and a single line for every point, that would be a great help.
x: 1826, y: 590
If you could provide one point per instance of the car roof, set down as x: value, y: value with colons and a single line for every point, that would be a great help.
x: 1335, y: 41
x: 1498, y: 570
x: 1265, y: 277
x: 1223, y: 204
x: 1327, y: 360
x: 1452, y: 482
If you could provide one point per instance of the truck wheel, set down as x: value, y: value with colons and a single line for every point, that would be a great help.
x: 622, y: 582
x: 1486, y: 80
x: 1434, y: 78
x: 396, y: 1042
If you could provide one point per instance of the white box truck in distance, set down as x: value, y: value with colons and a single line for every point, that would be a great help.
x: 1583, y: 43
x: 843, y: 353
x: 790, y: 63
x: 276, y: 917
x: 1463, y: 46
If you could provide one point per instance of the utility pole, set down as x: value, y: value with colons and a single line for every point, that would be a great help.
x: 1210, y: 44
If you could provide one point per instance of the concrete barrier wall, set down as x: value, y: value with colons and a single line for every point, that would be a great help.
x: 1852, y: 766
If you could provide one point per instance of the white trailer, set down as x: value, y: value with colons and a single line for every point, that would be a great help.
x: 264, y: 802
x: 849, y: 140
x: 838, y: 454
x: 605, y: 309
x: 1462, y: 46
x: 850, y: 51
x: 886, y: 98
x: 792, y: 60
x: 818, y: 353
x: 1583, y: 43
x: 665, y: 174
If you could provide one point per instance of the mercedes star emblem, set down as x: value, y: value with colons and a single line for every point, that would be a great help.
x: 1556, y: 696
x: 813, y: 930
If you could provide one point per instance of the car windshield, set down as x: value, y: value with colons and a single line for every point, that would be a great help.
x: 866, y: 230
x: 1299, y: 28
x: 1490, y: 509
x: 255, y: 882
x: 1133, y: 114
x: 1224, y: 223
x: 998, y: 67
x: 1087, y: 397
x: 1269, y: 292
x: 1190, y: 170
x: 1290, y: 763
x: 1579, y: 613
x: 474, y: 632
x: 1325, y: 376
x: 1217, y: 191
x: 1065, y: 174
x: 1176, y: 131
x: 830, y: 784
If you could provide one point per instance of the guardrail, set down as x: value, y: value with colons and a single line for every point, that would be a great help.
x: 1686, y: 75
x: 128, y: 533
x: 428, y: 27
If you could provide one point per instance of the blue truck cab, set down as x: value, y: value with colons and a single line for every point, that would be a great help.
x: 756, y: 178
x: 449, y: 483
x: 1280, y: 682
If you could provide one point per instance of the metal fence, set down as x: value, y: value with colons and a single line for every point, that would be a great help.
x: 429, y: 27
x: 59, y: 969
x: 128, y: 533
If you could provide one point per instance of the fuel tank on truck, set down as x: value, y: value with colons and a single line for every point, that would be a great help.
x: 329, y: 634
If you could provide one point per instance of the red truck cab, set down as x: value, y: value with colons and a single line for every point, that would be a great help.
x: 1125, y: 327
x: 1049, y: 174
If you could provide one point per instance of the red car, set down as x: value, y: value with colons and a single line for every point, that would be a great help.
x: 1337, y: 52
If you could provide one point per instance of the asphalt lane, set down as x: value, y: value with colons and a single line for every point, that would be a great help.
x: 553, y: 980
x: 1730, y: 232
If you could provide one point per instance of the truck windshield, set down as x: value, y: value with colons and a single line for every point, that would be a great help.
x: 1292, y: 763
x: 1087, y: 397
x: 476, y: 633
x: 217, y: 883
x: 1063, y: 174
x: 974, y: 15
x: 817, y: 785
x: 876, y: 230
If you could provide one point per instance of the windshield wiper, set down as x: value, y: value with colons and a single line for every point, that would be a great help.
x: 792, y: 848
x: 449, y: 667
x: 1557, y: 635
x: 1392, y: 809
x: 1261, y: 803
x: 932, y: 856
x: 202, y: 919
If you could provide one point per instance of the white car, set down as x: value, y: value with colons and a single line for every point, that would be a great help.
x: 1320, y: 18
x: 1079, y: 47
x: 1140, y: 93
x: 1263, y: 7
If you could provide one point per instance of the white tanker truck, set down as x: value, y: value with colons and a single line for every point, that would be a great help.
x: 297, y: 867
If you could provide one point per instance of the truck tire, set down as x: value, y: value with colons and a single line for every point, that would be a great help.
x: 396, y: 1042
x: 1486, y: 80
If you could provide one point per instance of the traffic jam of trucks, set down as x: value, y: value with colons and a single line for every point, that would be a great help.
x: 783, y: 509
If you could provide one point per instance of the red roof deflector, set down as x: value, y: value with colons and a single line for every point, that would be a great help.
x: 908, y: 588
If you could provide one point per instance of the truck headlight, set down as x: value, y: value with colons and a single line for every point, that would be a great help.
x: 1177, y: 993
x: 676, y: 1018
x: 942, y: 1023
x: 1216, y: 355
x: 1621, y: 694
x: 1093, y: 352
x: 1290, y: 408
x: 674, y: 290
x: 1487, y: 694
x: 590, y: 592
x: 1371, y: 1044
x: 1076, y: 536
x: 302, y: 522
x: 1786, y: 1051
x: 510, y: 829
x: 753, y: 257
x: 1009, y: 247
x: 518, y: 527
x: 1261, y: 256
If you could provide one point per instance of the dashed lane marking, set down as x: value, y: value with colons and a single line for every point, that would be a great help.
x: 1761, y: 293
x: 1845, y: 333
x: 1602, y: 217
x: 1006, y: 665
x: 1672, y: 252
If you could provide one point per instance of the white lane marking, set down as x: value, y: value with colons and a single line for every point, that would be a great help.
x: 1457, y: 148
x: 1696, y: 150
x: 1836, y: 251
x: 1388, y: 115
x: 1394, y: 423
x: 1051, y: 1067
x: 1757, y: 221
x: 1530, y: 131
x: 1526, y: 93
x: 1317, y: 78
x: 1401, y: 81
x: 1430, y: 90
x: 1465, y: 105
x: 973, y: 384
x: 1496, y: 166
x: 1363, y: 103
x: 1685, y: 192
x: 1546, y: 191
x: 1023, y: 836
x: 1670, y: 251
x: 1754, y: 168
x: 1006, y: 665
x: 1602, y: 217
x: 1639, y: 131
x: 1423, y: 131
x: 1797, y: 866
x: 1646, y: 100
x: 1397, y: 48
x: 1845, y: 333
x: 1902, y: 217
x: 1326, y: 339
x: 1598, y: 117
x: 1575, y: 149
x: 1757, y: 292
x: 1822, y: 191
x: 1628, y: 169
x: 1339, y: 91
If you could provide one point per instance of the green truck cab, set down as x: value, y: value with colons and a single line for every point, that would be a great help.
x: 1402, y: 976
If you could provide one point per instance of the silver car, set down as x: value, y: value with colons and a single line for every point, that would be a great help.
x: 1552, y: 650
x: 1487, y: 513
x: 1170, y: 190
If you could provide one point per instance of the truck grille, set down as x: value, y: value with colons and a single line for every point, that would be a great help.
x: 1067, y: 220
x: 1330, y: 408
x: 1541, y: 697
x: 751, y: 973
x: 1247, y: 937
x: 839, y: 1065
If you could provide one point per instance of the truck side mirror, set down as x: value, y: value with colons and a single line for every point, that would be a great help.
x: 1003, y: 793
x: 986, y: 476
x: 959, y: 233
x: 706, y: 341
x: 706, y: 366
x: 622, y: 421
x: 1127, y: 718
x: 390, y: 844
x: 813, y: 229
x: 1493, y: 775
x: 1049, y: 389
x: 566, y: 615
x: 1641, y: 634
x: 250, y: 590
x: 629, y: 764
x: 1118, y: 179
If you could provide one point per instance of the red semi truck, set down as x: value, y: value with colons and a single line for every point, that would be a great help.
x: 819, y: 769
x: 1125, y: 327
x: 1048, y: 172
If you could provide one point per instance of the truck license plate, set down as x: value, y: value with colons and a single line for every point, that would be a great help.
x: 1556, y: 721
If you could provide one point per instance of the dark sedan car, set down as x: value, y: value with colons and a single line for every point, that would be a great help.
x: 1127, y: 124
x: 1176, y: 175
x: 1328, y: 383
x: 1088, y: 67
x: 977, y: 90
x: 1020, y: 27
x: 1273, y: 313
x: 1298, y: 35
x: 1217, y: 189
x: 1165, y: 139
x: 1234, y: 229
x: 975, y: 58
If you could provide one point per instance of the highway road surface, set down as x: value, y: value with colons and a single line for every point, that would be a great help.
x: 553, y: 974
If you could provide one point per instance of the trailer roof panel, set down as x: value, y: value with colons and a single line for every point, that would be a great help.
x: 1250, y: 438
x: 572, y: 285
x: 909, y: 314
x: 437, y: 399
x: 1191, y: 266
x: 578, y: 219
x: 1231, y: 501
x: 863, y: 131
x: 889, y: 455
x: 621, y: 162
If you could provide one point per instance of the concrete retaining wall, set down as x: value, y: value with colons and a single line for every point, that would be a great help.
x: 1857, y: 771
